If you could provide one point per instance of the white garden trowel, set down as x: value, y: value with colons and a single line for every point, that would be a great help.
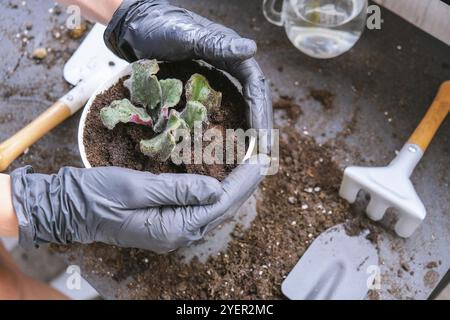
x: 338, y: 266
x: 391, y: 187
x: 90, y: 66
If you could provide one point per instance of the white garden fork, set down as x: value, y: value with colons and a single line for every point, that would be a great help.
x: 391, y: 187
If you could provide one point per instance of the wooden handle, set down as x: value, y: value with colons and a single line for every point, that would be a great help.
x: 17, y: 144
x: 433, y: 119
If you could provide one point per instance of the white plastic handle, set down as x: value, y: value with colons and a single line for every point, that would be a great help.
x: 407, y: 159
x: 77, y: 97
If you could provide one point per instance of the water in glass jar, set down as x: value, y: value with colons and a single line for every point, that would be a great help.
x: 324, y: 28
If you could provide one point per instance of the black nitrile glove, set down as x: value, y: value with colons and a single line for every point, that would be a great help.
x: 154, y: 29
x: 124, y: 207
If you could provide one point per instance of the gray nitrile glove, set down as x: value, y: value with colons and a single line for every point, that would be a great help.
x: 155, y: 29
x: 124, y: 207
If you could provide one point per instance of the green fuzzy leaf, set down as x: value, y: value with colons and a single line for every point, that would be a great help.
x: 143, y: 85
x: 159, y: 97
x: 193, y: 113
x: 154, y: 93
x: 198, y: 89
x: 171, y: 95
x: 176, y: 122
x: 160, y: 147
x: 124, y: 111
x: 151, y: 67
x: 171, y: 92
x: 161, y: 119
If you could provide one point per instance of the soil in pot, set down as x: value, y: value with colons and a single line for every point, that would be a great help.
x: 120, y: 146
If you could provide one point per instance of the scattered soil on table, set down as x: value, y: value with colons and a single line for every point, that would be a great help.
x: 292, y: 109
x: 373, y: 295
x: 355, y: 226
x: 431, y: 279
x: 299, y: 203
x: 120, y: 147
x: 431, y: 265
x: 6, y: 118
x: 324, y: 97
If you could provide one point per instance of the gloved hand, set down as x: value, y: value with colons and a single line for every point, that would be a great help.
x: 124, y: 207
x: 155, y: 29
x: 133, y: 209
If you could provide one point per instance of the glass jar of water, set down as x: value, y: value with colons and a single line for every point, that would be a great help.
x: 320, y: 28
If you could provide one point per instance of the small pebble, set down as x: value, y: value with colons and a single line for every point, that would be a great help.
x: 57, y: 10
x: 56, y: 34
x: 77, y: 33
x: 40, y: 54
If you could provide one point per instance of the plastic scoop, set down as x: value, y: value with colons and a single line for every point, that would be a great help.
x: 335, y: 267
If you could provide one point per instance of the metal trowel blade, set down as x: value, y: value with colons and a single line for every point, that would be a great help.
x: 335, y: 267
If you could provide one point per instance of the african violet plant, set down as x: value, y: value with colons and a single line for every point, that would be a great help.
x: 152, y: 104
